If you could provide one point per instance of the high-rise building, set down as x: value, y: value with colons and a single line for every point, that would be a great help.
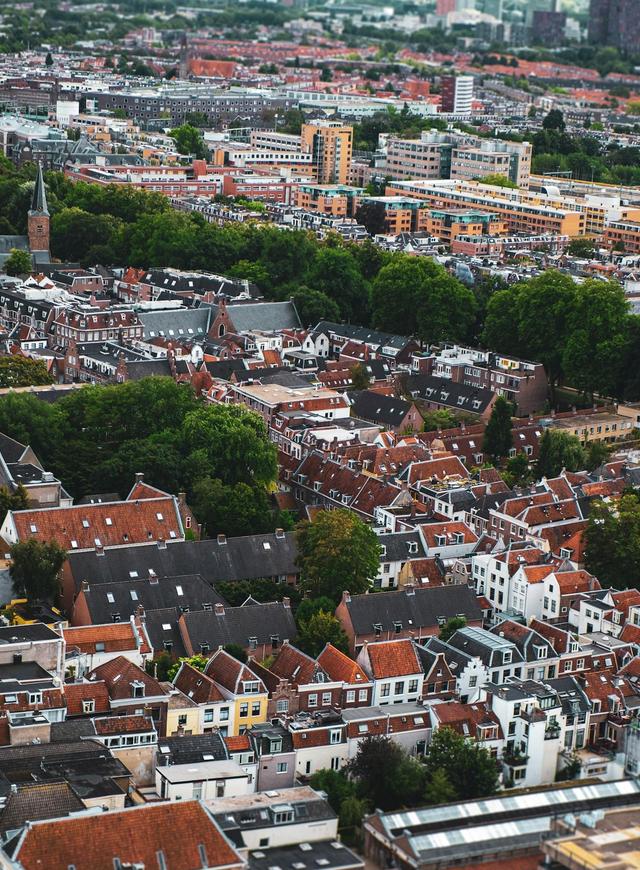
x: 330, y: 143
x: 615, y: 22
x: 457, y: 94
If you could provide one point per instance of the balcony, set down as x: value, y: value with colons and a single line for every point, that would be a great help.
x: 552, y: 732
x: 514, y: 758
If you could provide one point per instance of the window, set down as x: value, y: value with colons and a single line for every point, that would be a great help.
x: 282, y: 767
x: 385, y: 690
x: 208, y: 715
x: 224, y: 714
x: 251, y: 687
x: 413, y: 686
x: 255, y: 708
x: 312, y: 701
x: 335, y: 736
x: 100, y: 646
x: 398, y: 688
x: 282, y: 706
x: 326, y: 698
x: 244, y: 711
x: 362, y: 694
x: 351, y: 697
x: 88, y: 706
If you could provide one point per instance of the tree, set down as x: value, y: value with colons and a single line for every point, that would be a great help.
x: 498, y: 437
x: 612, y: 542
x: 497, y: 180
x: 35, y: 568
x: 439, y: 789
x: 313, y: 306
x: 559, y: 450
x: 17, y: 500
x: 417, y: 296
x: 581, y: 246
x: 373, y: 216
x: 470, y: 770
x: 337, y: 552
x: 360, y: 377
x: 231, y: 510
x: 553, y: 120
x: 597, y: 454
x: 22, y: 371
x: 451, y: 626
x: 385, y: 775
x: 517, y: 472
x: 48, y: 59
x: 334, y: 271
x: 18, y: 262
x: 197, y: 661
x: 189, y: 140
x: 319, y: 630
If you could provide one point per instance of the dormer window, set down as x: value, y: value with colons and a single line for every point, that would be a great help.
x: 541, y: 652
x: 137, y: 689
x: 441, y: 540
x: 251, y: 687
x: 204, y: 648
x: 506, y: 657
x: 413, y: 546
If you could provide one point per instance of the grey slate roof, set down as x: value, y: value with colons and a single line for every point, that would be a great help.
x: 191, y: 749
x: 177, y: 323
x: 378, y: 408
x: 11, y: 451
x: 244, y: 558
x: 238, y: 624
x: 266, y: 316
x: 163, y: 637
x: 397, y: 549
x: 34, y: 801
x: 188, y: 590
x: 39, y: 199
x: 446, y: 392
x: 362, y: 333
x: 422, y: 608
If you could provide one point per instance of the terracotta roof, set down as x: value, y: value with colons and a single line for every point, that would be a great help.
x: 393, y: 658
x: 184, y: 832
x: 466, y: 719
x: 111, y: 524
x: 241, y: 743
x: 123, y: 725
x: 142, y: 490
x: 448, y: 529
x: 119, y: 673
x: 340, y: 667
x: 115, y: 636
x: 438, y: 469
x: 576, y: 581
x: 630, y: 634
x: 292, y: 664
x: 76, y: 693
x: 537, y: 573
x: 196, y: 685
x: 427, y: 571
x: 228, y: 671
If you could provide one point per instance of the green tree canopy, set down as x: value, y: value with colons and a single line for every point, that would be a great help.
x: 471, y: 770
x: 189, y: 140
x: 35, y: 569
x: 417, y: 296
x: 337, y: 552
x: 612, y: 542
x: 451, y: 626
x: 320, y: 629
x: 385, y: 775
x: 18, y: 262
x: 498, y: 437
x: 22, y: 371
x: 197, y: 661
x: 559, y: 450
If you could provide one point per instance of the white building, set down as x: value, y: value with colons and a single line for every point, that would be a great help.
x: 206, y: 780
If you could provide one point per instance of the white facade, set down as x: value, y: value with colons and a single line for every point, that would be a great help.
x: 207, y: 780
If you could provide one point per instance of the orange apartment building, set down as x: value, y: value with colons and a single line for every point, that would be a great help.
x: 518, y: 210
x: 337, y: 200
x: 330, y: 144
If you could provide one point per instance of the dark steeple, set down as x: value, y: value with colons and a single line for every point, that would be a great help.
x: 39, y: 200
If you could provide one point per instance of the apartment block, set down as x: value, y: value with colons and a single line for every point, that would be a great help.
x: 330, y: 144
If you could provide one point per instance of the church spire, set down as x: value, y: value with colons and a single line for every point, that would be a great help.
x: 39, y: 200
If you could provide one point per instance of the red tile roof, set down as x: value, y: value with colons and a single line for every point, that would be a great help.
x: 294, y: 665
x: 110, y: 524
x: 229, y: 672
x: 76, y: 693
x: 181, y: 831
x: 340, y: 667
x: 123, y: 725
x: 241, y: 743
x: 116, y: 636
x: 196, y: 685
x: 119, y: 673
x: 393, y: 658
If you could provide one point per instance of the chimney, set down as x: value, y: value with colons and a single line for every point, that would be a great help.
x: 139, y: 476
x: 346, y: 597
x: 84, y: 586
x: 219, y: 607
x: 286, y: 602
x: 99, y: 550
x: 153, y: 577
x: 410, y: 589
x: 162, y: 544
x: 222, y: 539
x: 140, y: 612
x: 279, y: 533
x: 182, y: 499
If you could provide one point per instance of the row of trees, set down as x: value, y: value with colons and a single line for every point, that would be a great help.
x: 612, y: 542
x: 382, y: 776
x: 582, y: 333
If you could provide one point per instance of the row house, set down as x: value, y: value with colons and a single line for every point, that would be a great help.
x: 395, y: 669
x: 214, y: 709
x: 605, y: 611
x: 328, y: 338
x: 409, y: 613
x: 467, y: 672
x: 132, y: 691
x: 476, y: 722
x: 29, y: 307
x: 406, y: 724
x: 245, y: 692
x: 327, y: 484
x: 88, y: 323
x: 270, y: 399
x: 546, y: 592
x: 320, y: 742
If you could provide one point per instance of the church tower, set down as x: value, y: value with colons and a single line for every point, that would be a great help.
x: 38, y: 217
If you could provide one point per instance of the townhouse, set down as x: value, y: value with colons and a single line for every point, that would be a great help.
x: 395, y: 670
x: 320, y: 742
x: 411, y: 612
x: 406, y: 724
x: 245, y: 692
x: 132, y: 692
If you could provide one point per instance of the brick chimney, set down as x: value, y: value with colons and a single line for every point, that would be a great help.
x: 139, y: 476
x: 222, y: 539
x: 219, y: 608
x: 346, y: 597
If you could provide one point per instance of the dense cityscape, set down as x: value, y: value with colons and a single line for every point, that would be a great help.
x: 320, y: 435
